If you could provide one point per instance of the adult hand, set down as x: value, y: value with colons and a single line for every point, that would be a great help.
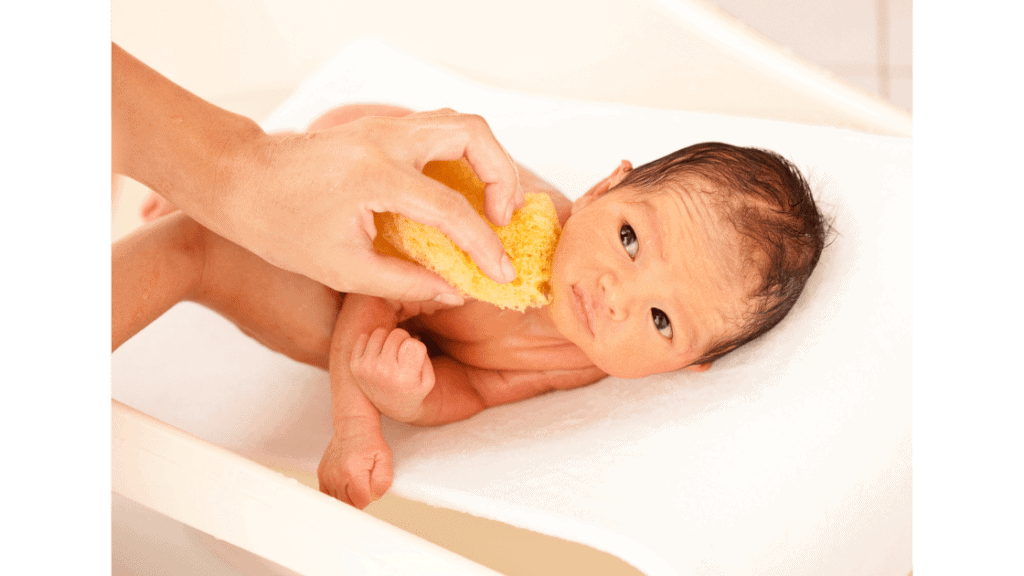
x: 305, y: 202
x: 309, y: 204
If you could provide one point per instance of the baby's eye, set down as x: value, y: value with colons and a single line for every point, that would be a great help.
x: 628, y: 238
x: 662, y: 323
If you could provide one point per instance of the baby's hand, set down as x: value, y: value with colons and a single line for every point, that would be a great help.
x: 356, y: 467
x: 393, y: 371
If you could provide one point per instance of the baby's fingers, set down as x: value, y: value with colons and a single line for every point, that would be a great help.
x: 426, y: 372
x: 411, y: 355
x: 366, y: 354
x: 389, y: 350
x: 359, y: 348
x: 375, y: 344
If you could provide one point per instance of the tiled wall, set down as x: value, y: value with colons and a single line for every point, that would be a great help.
x: 866, y: 42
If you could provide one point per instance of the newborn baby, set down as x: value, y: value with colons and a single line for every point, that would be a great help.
x: 664, y: 267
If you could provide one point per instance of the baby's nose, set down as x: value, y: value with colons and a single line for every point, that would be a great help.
x: 613, y: 296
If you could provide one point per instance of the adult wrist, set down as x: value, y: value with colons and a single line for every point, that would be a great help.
x: 240, y: 162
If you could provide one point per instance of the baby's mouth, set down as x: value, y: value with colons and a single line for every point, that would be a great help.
x: 581, y: 306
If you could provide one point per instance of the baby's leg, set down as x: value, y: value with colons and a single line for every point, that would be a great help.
x: 356, y: 466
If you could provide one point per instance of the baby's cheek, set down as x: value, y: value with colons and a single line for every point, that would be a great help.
x: 563, y: 257
x: 626, y: 358
x: 561, y: 313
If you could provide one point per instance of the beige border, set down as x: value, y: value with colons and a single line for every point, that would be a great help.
x: 56, y: 288
x: 969, y: 385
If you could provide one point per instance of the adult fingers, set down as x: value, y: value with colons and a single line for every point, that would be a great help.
x: 448, y: 135
x: 429, y: 202
x: 494, y: 201
x: 397, y: 279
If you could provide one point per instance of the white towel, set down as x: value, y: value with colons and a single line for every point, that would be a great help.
x: 790, y: 456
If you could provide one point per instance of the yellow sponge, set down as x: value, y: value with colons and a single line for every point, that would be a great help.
x: 530, y: 241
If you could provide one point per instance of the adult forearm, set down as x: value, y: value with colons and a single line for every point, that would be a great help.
x: 305, y: 203
x: 184, y: 148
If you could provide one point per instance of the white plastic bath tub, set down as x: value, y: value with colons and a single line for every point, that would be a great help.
x: 183, y: 503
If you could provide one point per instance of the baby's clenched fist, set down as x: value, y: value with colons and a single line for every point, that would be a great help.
x: 393, y: 371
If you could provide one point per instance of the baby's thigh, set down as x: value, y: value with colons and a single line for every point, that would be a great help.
x: 344, y: 114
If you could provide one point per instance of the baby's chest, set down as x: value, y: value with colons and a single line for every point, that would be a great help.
x: 483, y: 336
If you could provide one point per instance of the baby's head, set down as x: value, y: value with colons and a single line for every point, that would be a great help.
x: 677, y: 262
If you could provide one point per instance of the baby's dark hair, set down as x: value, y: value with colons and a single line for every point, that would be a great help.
x: 770, y: 205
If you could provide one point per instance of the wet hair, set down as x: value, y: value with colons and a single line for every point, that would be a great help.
x: 768, y: 202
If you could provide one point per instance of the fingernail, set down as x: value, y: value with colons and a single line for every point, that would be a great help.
x: 508, y: 214
x: 507, y: 268
x: 449, y: 299
x: 520, y: 196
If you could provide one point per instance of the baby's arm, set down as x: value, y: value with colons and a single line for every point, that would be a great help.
x: 375, y: 368
x: 461, y: 391
x: 398, y: 379
x: 378, y: 368
x: 396, y: 376
x: 356, y: 466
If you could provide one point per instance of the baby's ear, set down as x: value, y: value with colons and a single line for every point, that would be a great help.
x: 603, y: 186
x: 698, y: 367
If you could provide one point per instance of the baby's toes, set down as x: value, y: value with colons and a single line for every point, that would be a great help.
x: 357, y: 491
x: 380, y: 477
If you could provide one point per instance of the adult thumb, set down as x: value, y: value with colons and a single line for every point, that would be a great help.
x: 397, y: 279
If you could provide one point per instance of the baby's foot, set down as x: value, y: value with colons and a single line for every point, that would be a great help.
x: 154, y: 206
x: 356, y: 467
x: 393, y: 371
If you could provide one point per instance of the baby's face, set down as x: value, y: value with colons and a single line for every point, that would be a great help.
x: 638, y: 281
